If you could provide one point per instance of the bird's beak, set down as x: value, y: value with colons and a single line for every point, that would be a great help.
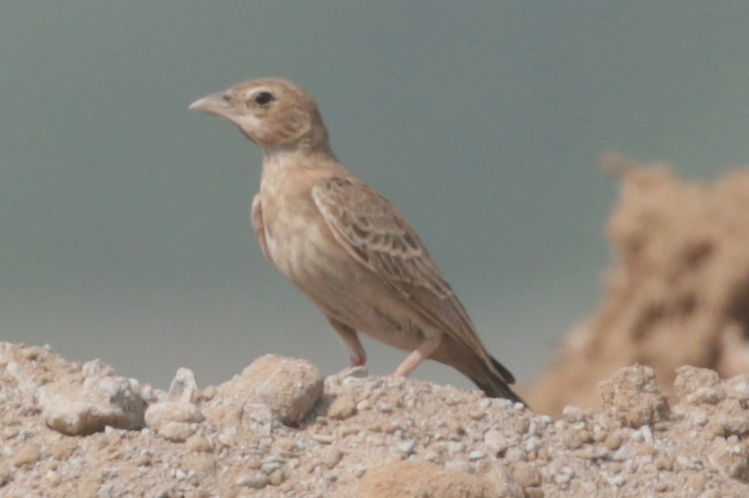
x: 217, y: 104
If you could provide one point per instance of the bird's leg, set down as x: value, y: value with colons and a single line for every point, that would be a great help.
x: 428, y: 346
x: 351, y: 340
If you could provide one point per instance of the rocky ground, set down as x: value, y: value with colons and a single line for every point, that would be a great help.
x: 280, y: 430
x: 678, y: 294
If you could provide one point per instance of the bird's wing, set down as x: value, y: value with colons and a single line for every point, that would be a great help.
x: 259, y: 226
x: 376, y: 235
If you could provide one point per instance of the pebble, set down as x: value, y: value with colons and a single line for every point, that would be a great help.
x: 527, y: 474
x: 277, y: 477
x: 253, y: 481
x: 617, y: 480
x: 407, y: 446
x: 342, y: 408
x: 384, y: 407
x: 331, y: 456
x: 27, y: 455
x: 177, y: 432
x: 613, y: 441
x: 564, y: 475
x: 184, y: 387
x: 461, y: 466
x: 454, y: 447
x: 495, y: 441
x: 270, y: 467
x: 323, y: 438
x: 198, y: 443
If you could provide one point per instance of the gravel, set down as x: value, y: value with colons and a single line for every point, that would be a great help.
x: 280, y: 429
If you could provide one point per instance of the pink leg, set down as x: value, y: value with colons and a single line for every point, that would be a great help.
x: 351, y: 340
x: 424, y: 351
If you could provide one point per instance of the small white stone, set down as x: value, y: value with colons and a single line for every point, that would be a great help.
x: 647, y: 433
x: 159, y: 414
x: 407, y: 446
x: 461, y: 466
x: 177, y: 432
x: 384, y: 407
x: 454, y: 447
x: 533, y: 445
x: 269, y: 467
x: 253, y: 481
x: 323, y: 438
x: 699, y: 419
x: 618, y: 480
x: 12, y: 369
x: 184, y: 386
x: 495, y: 441
x: 515, y: 454
x: 564, y: 475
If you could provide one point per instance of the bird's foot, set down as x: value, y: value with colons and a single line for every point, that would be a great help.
x: 358, y: 371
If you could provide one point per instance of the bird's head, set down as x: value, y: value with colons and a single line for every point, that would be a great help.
x: 274, y: 113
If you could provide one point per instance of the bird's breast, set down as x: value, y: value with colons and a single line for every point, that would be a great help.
x: 299, y: 240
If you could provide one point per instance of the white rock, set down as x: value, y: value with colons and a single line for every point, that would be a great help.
x: 253, y: 481
x: 476, y: 455
x: 177, y: 432
x: 76, y: 408
x: 495, y: 441
x: 184, y: 386
x: 407, y: 446
x: 159, y: 414
x: 290, y: 388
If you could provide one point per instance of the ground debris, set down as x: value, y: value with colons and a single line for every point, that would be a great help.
x: 388, y: 435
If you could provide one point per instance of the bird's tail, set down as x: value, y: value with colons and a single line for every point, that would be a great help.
x: 495, y: 382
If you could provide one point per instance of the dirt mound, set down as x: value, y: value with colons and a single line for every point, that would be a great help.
x: 678, y: 292
x: 279, y: 430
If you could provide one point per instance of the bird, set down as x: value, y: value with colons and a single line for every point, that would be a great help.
x: 345, y: 246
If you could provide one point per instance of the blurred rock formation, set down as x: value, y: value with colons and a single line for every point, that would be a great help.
x: 676, y: 294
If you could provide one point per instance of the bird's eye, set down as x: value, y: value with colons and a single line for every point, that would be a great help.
x: 264, y: 98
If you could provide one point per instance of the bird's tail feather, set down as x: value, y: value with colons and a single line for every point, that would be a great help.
x: 495, y: 382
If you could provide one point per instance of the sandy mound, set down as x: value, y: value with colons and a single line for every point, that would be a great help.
x: 678, y: 292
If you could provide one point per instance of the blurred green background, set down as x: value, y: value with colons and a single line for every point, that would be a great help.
x: 125, y: 231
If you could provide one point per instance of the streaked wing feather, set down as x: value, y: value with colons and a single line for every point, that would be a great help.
x: 379, y: 237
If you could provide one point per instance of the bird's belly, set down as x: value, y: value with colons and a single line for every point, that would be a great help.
x: 368, y: 305
x: 303, y: 249
x: 343, y: 288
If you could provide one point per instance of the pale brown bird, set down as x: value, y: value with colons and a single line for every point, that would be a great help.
x: 344, y: 245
